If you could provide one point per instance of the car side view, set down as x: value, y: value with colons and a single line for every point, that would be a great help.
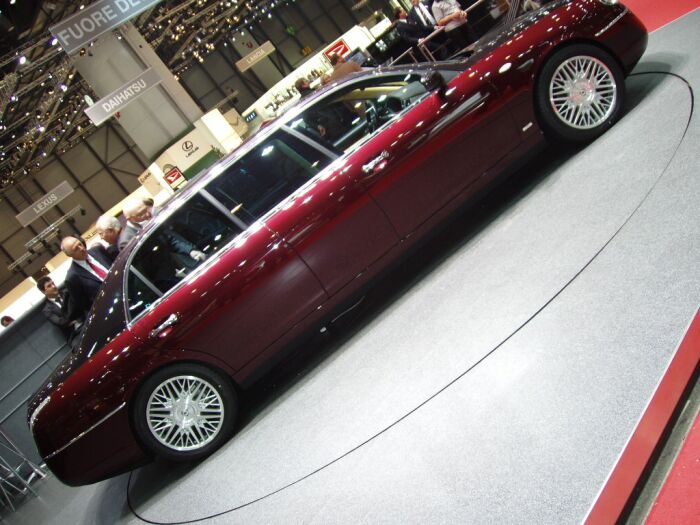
x: 297, y: 223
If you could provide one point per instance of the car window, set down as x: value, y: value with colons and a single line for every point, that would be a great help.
x: 196, y: 231
x: 266, y: 175
x: 349, y: 116
x: 141, y: 295
x: 104, y: 322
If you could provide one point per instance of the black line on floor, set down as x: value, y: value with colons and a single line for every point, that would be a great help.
x: 474, y: 365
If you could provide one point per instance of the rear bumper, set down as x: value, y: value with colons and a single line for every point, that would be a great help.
x: 97, y: 454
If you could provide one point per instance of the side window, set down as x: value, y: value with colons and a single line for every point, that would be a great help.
x: 141, y: 296
x: 345, y: 118
x: 187, y: 238
x: 267, y: 175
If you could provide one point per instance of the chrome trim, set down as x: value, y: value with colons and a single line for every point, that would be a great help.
x: 82, y: 434
x: 217, y: 204
x: 309, y: 141
x: 615, y: 21
x: 476, y: 101
x: 146, y: 281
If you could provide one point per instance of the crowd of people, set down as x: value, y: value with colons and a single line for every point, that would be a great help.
x: 66, y: 306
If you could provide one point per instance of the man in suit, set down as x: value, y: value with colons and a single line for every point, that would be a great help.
x: 420, y: 16
x: 109, y: 228
x: 86, y: 273
x: 59, y: 309
x: 137, y: 213
x: 409, y: 31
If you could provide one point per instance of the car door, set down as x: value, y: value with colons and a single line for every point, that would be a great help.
x: 334, y: 226
x: 421, y: 148
x: 250, y: 288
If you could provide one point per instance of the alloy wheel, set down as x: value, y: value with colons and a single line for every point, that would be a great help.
x: 185, y: 413
x: 583, y: 92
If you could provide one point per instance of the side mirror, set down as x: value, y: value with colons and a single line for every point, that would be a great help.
x: 434, y: 81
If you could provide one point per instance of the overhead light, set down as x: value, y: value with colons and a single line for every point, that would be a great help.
x: 22, y: 60
x: 54, y: 41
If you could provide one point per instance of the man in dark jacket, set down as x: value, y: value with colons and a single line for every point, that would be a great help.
x: 86, y: 273
x: 421, y: 16
x: 58, y: 308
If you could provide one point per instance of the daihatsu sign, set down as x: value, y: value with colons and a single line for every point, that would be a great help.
x: 117, y: 100
x: 96, y: 19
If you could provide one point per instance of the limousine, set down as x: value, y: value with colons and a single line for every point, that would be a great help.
x: 298, y: 221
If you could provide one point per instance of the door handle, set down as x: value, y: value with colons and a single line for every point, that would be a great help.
x: 172, y: 320
x: 377, y: 164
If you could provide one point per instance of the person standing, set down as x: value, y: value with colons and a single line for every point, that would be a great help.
x: 86, y: 273
x: 59, y: 309
x: 421, y: 16
x: 137, y: 213
x: 109, y: 228
x: 449, y: 14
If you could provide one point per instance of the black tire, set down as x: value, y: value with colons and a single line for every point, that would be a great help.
x: 599, y: 106
x: 200, y: 420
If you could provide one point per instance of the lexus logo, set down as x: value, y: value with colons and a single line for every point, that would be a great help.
x: 187, y: 145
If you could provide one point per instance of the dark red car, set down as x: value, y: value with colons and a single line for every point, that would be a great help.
x: 298, y: 221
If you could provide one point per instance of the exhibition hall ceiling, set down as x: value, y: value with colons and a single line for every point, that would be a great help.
x: 43, y: 97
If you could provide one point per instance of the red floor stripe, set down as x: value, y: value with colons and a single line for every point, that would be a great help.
x: 658, y: 13
x: 679, y: 499
x: 616, y: 492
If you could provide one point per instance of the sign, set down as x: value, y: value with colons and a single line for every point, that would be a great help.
x: 174, y: 178
x: 250, y: 117
x: 189, y: 148
x: 255, y: 56
x: 117, y: 100
x: 44, y: 204
x: 339, y: 48
x: 96, y: 19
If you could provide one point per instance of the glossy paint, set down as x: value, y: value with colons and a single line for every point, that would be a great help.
x: 311, y: 254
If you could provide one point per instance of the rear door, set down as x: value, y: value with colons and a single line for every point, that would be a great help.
x: 411, y: 150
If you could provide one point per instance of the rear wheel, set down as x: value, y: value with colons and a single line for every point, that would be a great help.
x: 580, y: 93
x: 185, y: 411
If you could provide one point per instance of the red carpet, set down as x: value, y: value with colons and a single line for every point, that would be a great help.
x: 658, y: 13
x: 679, y: 499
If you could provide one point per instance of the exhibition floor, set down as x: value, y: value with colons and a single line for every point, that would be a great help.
x: 498, y: 375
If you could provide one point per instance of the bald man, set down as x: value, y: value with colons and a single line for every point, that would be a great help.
x: 86, y: 273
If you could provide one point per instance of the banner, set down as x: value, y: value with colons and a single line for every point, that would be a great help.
x: 86, y: 25
x: 44, y: 204
x: 117, y: 100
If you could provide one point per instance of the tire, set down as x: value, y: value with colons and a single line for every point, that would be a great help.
x: 579, y: 94
x: 184, y: 412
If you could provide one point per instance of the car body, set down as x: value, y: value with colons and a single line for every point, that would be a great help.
x: 301, y: 219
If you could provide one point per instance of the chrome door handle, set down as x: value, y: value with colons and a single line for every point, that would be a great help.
x: 376, y: 164
x: 172, y: 320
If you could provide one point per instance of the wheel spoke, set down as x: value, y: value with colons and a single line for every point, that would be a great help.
x: 583, y: 92
x: 185, y: 413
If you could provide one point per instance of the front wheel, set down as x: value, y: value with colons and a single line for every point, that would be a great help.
x: 580, y: 93
x: 184, y: 412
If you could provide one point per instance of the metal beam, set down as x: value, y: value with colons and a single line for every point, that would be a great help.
x: 77, y: 181
x: 105, y: 166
